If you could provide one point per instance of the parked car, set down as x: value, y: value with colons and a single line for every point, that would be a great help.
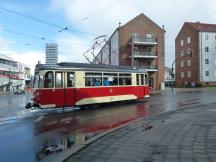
x: 20, y: 91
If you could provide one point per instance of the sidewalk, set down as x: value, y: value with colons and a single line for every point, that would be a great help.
x: 184, y: 135
x: 179, y: 90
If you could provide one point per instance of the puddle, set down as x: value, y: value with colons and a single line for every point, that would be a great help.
x: 60, y: 132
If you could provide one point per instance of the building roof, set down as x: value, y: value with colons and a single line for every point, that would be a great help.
x: 140, y: 15
x: 202, y: 26
x: 145, y: 17
x: 4, y: 57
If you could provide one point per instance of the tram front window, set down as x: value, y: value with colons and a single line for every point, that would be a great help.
x: 36, y: 81
x: 41, y: 81
x: 48, y: 80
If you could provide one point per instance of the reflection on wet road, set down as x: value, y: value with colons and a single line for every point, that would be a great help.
x: 34, y: 138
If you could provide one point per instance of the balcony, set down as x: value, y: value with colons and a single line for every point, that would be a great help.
x: 144, y: 55
x: 145, y: 41
x: 148, y: 68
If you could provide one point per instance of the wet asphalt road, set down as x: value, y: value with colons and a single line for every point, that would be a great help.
x: 23, y: 138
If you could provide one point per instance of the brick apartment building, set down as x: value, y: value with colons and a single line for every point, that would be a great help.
x: 138, y: 43
x: 195, y: 47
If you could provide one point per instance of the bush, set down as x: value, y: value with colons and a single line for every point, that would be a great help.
x: 199, y: 84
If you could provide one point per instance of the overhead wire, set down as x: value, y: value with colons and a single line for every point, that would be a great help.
x: 91, y: 15
x: 95, y: 13
x: 35, y: 37
x: 44, y: 22
x: 184, y: 19
x: 58, y: 26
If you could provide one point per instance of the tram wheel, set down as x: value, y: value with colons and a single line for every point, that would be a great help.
x: 83, y: 107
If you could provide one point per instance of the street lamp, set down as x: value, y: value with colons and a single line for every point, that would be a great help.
x: 172, y: 74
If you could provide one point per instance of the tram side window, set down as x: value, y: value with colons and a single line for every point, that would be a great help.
x: 137, y: 79
x: 125, y: 79
x: 48, y: 81
x: 146, y: 79
x: 58, y: 79
x: 70, y: 79
x: 142, y: 79
x: 110, y: 79
x: 93, y: 79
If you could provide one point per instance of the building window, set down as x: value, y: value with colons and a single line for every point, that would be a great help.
x: 136, y: 62
x: 135, y: 49
x: 135, y: 35
x: 182, y: 74
x: 206, y: 73
x: 188, y: 63
x: 189, y: 74
x: 189, y: 52
x: 182, y: 42
x: 206, y: 49
x: 150, y: 36
x: 148, y: 49
x: 188, y: 40
x: 206, y: 37
x: 182, y: 63
x: 206, y: 61
x: 182, y: 53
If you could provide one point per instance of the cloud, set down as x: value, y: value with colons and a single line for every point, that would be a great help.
x: 71, y: 48
x: 171, y: 13
x: 4, y: 43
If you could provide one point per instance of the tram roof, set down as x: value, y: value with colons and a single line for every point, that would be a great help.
x: 88, y: 67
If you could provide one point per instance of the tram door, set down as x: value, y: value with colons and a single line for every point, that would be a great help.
x: 69, y: 88
x: 58, y: 92
x: 141, y: 83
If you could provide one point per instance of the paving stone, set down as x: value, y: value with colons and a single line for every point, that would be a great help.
x: 202, y: 160
x: 171, y: 156
x: 171, y: 160
x: 184, y: 137
x: 186, y: 160
x: 185, y: 151
x: 201, y: 156
x: 186, y: 156
x: 99, y: 160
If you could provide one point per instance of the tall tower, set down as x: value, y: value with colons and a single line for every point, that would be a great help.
x: 51, y: 53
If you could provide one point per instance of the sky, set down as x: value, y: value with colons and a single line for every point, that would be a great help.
x: 24, y: 38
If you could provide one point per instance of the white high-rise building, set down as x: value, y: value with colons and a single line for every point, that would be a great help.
x: 51, y: 53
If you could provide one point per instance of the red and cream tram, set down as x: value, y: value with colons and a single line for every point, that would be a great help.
x: 77, y: 84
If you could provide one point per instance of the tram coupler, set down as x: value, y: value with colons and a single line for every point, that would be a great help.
x: 28, y: 105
